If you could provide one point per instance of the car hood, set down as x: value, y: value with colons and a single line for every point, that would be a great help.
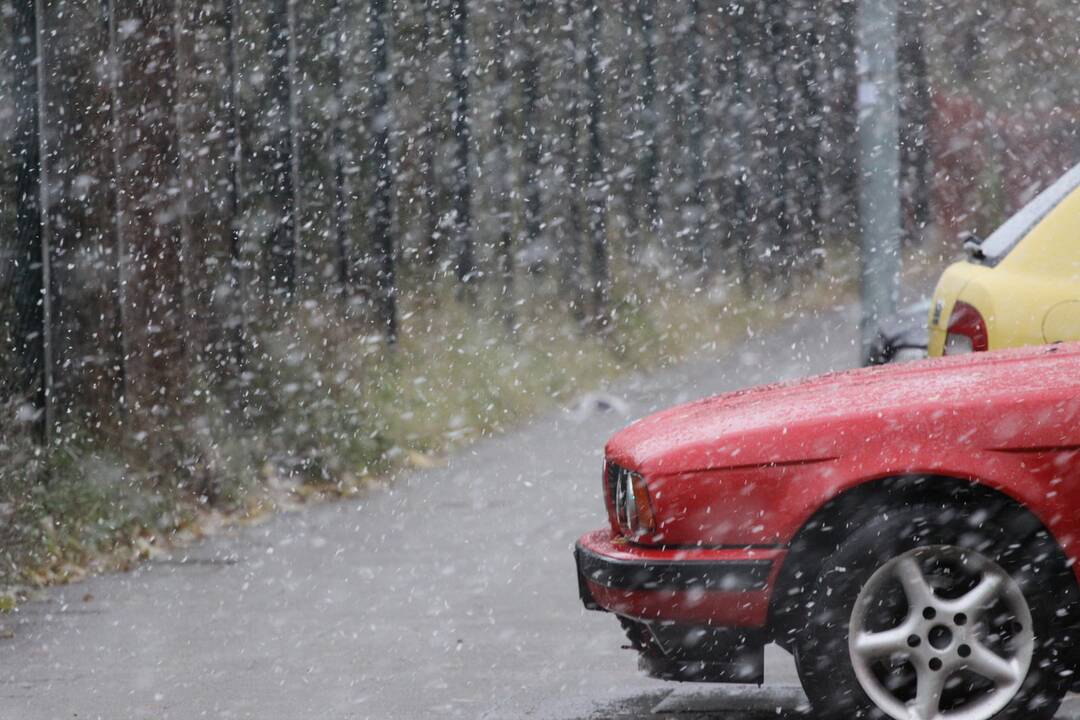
x: 825, y: 417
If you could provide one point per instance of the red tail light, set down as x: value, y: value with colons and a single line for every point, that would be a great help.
x: 967, y: 331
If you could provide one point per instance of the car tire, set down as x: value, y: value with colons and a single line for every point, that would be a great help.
x: 866, y: 588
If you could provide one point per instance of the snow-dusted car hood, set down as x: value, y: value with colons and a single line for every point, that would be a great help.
x: 815, y: 419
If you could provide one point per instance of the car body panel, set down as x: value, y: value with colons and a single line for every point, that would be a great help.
x: 1017, y: 295
x: 1062, y: 322
x: 746, y: 471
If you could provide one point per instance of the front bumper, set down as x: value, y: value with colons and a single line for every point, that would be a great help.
x: 718, y: 587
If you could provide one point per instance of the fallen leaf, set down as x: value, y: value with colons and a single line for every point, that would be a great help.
x: 424, y: 461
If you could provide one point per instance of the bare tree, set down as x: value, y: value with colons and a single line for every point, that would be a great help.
x: 380, y: 212
x: 459, y: 71
x: 697, y: 243
x: 150, y: 148
x: 916, y: 157
x: 114, y: 199
x: 32, y: 333
x: 192, y: 335
x: 530, y: 110
x: 284, y: 236
x: 806, y: 130
x: 598, y: 265
x: 650, y: 114
x: 741, y: 213
x: 431, y: 188
x: 237, y: 319
x: 840, y: 173
x: 339, y: 223
x: 572, y: 270
x: 503, y: 173
x: 784, y: 220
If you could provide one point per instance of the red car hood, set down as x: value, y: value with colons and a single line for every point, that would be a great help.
x: 816, y: 419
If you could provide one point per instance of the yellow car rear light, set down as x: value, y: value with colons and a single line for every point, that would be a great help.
x: 967, y: 331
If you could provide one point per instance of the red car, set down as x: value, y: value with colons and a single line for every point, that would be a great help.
x: 908, y: 533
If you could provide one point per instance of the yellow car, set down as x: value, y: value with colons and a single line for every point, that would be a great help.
x: 1020, y: 286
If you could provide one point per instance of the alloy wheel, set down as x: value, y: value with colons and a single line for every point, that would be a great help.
x: 941, y: 633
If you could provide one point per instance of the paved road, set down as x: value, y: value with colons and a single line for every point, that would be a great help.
x: 450, y: 594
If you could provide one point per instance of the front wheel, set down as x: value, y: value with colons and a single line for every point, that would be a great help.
x: 927, y: 613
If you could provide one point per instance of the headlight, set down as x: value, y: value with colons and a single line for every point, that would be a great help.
x: 633, y: 511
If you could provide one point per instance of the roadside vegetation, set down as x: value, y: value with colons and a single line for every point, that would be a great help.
x: 340, y: 411
x: 345, y: 411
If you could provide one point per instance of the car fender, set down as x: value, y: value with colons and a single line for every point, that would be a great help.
x: 1042, y: 480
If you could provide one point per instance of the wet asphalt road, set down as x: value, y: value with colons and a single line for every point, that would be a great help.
x: 451, y: 593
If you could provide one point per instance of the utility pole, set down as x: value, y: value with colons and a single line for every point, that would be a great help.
x: 879, y: 163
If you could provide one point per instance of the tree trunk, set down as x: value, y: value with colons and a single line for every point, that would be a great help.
x: 283, y: 241
x: 432, y: 132
x: 237, y: 319
x: 740, y: 234
x: 115, y: 203
x: 915, y: 108
x: 381, y: 207
x: 845, y: 180
x: 697, y: 242
x: 150, y: 152
x: 573, y: 275
x: 782, y: 155
x: 192, y: 335
x: 503, y: 179
x: 650, y: 115
x: 597, y: 182
x: 459, y: 71
x: 807, y: 131
x: 339, y: 220
x: 626, y: 154
x: 530, y: 80
x: 32, y: 331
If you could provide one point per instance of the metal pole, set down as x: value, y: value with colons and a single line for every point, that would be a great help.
x: 879, y: 163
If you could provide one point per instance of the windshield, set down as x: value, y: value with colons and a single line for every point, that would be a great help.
x: 1006, y: 237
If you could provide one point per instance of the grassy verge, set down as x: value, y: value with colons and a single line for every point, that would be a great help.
x: 332, y: 410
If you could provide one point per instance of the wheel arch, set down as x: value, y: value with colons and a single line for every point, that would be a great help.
x: 835, y: 520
